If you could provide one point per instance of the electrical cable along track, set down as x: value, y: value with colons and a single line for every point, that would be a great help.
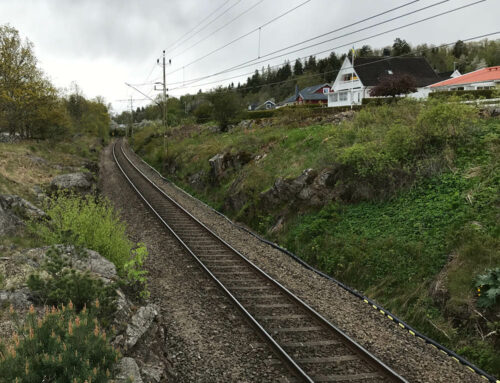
x: 314, y: 349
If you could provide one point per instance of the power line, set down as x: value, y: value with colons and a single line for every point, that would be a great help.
x: 330, y: 32
x: 223, y: 26
x: 241, y: 37
x: 252, y: 63
x: 211, y: 22
x: 365, y: 64
x: 197, y: 25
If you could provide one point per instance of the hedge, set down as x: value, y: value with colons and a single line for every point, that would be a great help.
x: 468, y: 94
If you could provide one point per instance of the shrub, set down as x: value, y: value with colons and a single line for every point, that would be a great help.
x: 60, y: 347
x: 93, y: 224
x: 466, y: 94
x: 86, y: 222
x: 488, y: 288
x: 62, y: 283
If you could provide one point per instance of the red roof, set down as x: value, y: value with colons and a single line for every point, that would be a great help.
x: 480, y: 75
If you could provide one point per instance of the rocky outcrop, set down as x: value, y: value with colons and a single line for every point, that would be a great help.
x: 81, y: 260
x: 13, y: 210
x: 19, y: 299
x: 74, y: 182
x: 222, y: 162
x: 139, y: 324
x: 127, y: 371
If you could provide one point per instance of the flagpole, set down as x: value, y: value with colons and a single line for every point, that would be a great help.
x: 352, y: 77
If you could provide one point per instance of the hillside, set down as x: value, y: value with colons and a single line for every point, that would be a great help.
x: 398, y: 201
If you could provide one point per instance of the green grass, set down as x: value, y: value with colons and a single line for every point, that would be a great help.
x: 434, y: 172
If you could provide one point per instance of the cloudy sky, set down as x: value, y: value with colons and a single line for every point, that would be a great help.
x: 101, y: 44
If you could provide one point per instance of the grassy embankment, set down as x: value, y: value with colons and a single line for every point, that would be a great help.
x: 430, y: 217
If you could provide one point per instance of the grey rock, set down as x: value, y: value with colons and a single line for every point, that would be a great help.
x: 37, y: 160
x: 90, y: 260
x: 152, y: 373
x: 19, y: 299
x: 123, y: 307
x: 217, y: 165
x: 140, y: 323
x: 13, y: 209
x: 76, y: 182
x: 221, y: 162
x: 127, y: 370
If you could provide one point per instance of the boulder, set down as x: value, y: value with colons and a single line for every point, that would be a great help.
x: 75, y: 182
x: 139, y: 324
x: 82, y: 260
x: 152, y: 373
x: 127, y: 370
x: 13, y: 209
x: 19, y: 299
x: 216, y: 166
x: 222, y: 162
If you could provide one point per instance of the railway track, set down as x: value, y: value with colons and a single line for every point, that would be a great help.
x: 314, y: 349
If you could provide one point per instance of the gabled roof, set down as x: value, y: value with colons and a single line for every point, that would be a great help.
x: 309, y: 94
x: 370, y: 69
x: 480, y: 75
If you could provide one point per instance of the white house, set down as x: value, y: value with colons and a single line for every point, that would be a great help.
x: 352, y: 85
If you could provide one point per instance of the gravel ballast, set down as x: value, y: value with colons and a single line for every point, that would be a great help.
x: 207, y: 338
x: 408, y: 355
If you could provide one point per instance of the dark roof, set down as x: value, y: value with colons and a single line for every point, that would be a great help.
x: 370, y: 69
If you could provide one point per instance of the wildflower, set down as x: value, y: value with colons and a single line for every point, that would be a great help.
x: 97, y: 303
x: 70, y: 305
x: 16, y: 338
x: 103, y: 335
x: 64, y: 347
x: 108, y: 374
x: 70, y: 327
x: 94, y: 371
x: 11, y: 311
x: 84, y: 310
x: 27, y: 368
x: 52, y: 334
x: 59, y: 358
x: 39, y: 323
x: 63, y: 308
x: 53, y: 310
x: 74, y: 380
x: 96, y: 330
x: 32, y: 309
x: 77, y: 321
x: 32, y: 333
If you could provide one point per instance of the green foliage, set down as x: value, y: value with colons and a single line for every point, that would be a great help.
x: 135, y: 272
x: 203, y: 112
x: 61, y: 346
x: 93, y: 224
x: 464, y: 94
x: 226, y: 106
x: 488, y: 288
x: 57, y: 282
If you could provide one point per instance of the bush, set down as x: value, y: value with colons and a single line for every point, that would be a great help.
x: 93, y: 224
x: 488, y: 288
x: 60, y: 347
x: 465, y: 94
x: 62, y: 284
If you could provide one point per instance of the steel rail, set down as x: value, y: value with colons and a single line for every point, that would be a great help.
x: 348, y: 341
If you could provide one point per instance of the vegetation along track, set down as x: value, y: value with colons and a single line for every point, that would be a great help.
x: 313, y: 348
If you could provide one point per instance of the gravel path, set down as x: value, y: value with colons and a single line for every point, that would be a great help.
x: 207, y: 338
x: 406, y: 354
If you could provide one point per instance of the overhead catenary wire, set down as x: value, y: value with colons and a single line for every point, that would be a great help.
x: 240, y: 37
x: 351, y: 43
x: 360, y: 65
x: 330, y: 32
x: 179, y: 41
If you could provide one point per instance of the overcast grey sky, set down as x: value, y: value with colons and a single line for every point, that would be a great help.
x: 100, y: 44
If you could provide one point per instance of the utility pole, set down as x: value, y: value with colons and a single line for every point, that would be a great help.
x: 164, y: 108
x: 131, y: 120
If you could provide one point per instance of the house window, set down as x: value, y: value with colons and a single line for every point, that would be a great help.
x: 326, y: 90
x: 350, y: 77
x: 334, y: 97
x: 458, y: 88
x: 343, y: 96
x: 484, y: 87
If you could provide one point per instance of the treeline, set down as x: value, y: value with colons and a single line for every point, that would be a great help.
x: 279, y: 83
x: 30, y: 105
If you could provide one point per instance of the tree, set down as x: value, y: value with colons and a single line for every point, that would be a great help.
x: 394, y: 85
x: 365, y: 51
x: 459, y: 49
x: 298, y: 68
x: 226, y: 105
x: 29, y: 103
x: 400, y: 47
